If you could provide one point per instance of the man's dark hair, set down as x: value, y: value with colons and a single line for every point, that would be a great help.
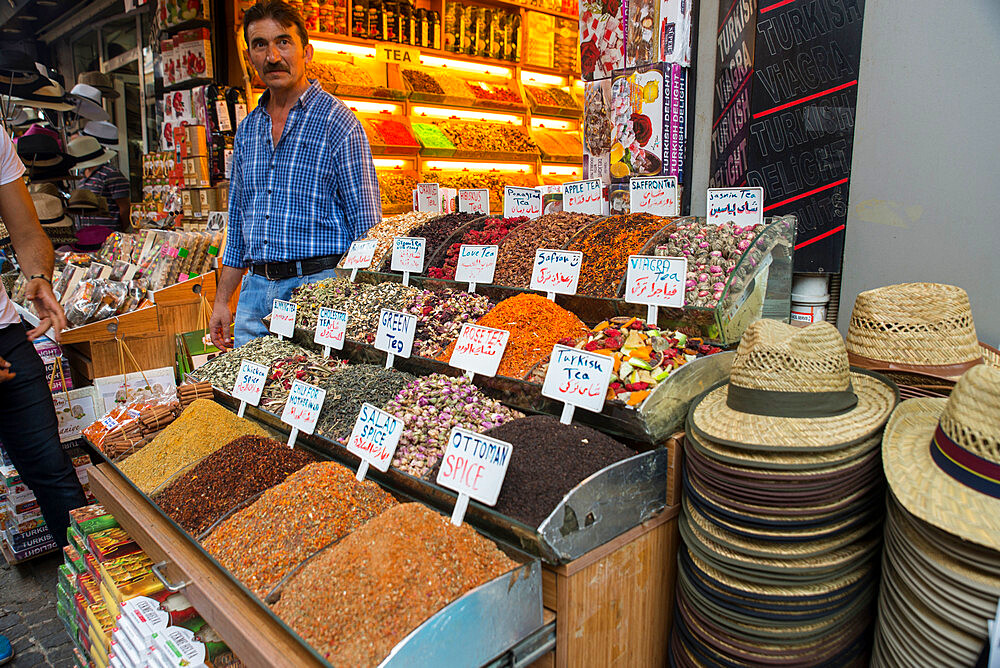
x: 282, y: 12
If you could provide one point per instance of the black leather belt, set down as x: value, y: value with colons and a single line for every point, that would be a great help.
x: 276, y: 271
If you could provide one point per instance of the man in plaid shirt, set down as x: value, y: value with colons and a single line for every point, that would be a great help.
x: 303, y: 185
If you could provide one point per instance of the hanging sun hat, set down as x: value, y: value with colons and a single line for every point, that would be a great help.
x: 50, y: 210
x: 17, y: 68
x: 42, y: 94
x: 40, y: 129
x: 40, y: 151
x: 47, y: 188
x: 82, y: 200
x: 942, y: 457
x: 791, y: 389
x: 88, y: 102
x: 23, y: 116
x: 100, y: 81
x: 102, y: 131
x: 917, y: 333
x: 88, y: 152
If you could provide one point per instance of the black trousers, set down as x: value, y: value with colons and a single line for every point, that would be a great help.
x: 30, y: 434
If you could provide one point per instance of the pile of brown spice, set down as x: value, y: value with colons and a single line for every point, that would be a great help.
x: 394, y: 573
x: 234, y: 473
x: 606, y: 246
x: 290, y: 522
x: 517, y: 250
x: 535, y: 325
x: 200, y: 430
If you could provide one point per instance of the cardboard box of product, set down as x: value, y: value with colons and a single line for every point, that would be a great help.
x: 196, y: 172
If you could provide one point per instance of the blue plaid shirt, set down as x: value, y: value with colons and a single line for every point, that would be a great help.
x: 311, y: 195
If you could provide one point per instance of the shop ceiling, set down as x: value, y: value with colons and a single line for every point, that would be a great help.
x: 49, y: 20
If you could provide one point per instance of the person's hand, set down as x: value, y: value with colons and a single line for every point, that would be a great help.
x: 50, y: 312
x: 5, y: 372
x: 219, y: 325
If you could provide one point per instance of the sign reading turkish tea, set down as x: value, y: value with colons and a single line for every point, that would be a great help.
x: 476, y: 264
x: 474, y: 466
x: 249, y: 385
x: 742, y: 206
x: 374, y: 438
x: 479, y: 349
x: 474, y: 200
x: 556, y: 271
x: 521, y: 202
x: 429, y: 197
x: 283, y: 318
x: 395, y: 333
x: 303, y: 407
x: 656, y: 281
x: 654, y: 195
x: 583, y: 196
x: 578, y: 378
x: 331, y: 329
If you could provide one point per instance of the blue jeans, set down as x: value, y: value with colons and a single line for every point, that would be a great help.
x: 257, y: 295
x: 30, y: 433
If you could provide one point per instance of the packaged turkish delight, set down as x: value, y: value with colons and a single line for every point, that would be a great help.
x: 597, y: 130
x: 602, y: 47
x: 637, y: 135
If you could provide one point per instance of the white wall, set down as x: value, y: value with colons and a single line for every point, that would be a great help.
x: 925, y: 181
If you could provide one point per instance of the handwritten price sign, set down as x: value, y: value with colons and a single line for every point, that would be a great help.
x: 408, y: 254
x: 302, y: 409
x: 479, y: 349
x: 742, y: 206
x: 521, y: 202
x: 283, y: 318
x: 556, y: 271
x: 331, y: 329
x: 374, y: 438
x: 476, y: 264
x: 657, y: 281
x: 474, y: 200
x: 474, y: 466
x: 429, y: 197
x: 249, y: 385
x: 360, y: 256
x: 395, y: 334
x: 583, y: 196
x: 577, y: 378
x: 657, y: 196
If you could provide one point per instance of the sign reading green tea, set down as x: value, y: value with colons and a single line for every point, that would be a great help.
x: 408, y: 256
x: 583, y: 196
x: 479, y: 350
x: 578, y: 378
x: 521, y: 202
x: 476, y: 264
x: 741, y: 206
x: 654, y: 195
x: 283, y: 318
x: 556, y: 271
x: 395, y: 334
x: 302, y: 409
x: 374, y: 438
x: 474, y: 200
x: 474, y: 466
x: 331, y: 329
x: 360, y: 256
x: 655, y: 281
x: 249, y: 385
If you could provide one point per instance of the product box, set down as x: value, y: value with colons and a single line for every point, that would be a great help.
x: 20, y: 555
x: 208, y: 199
x: 130, y: 576
x: 73, y: 560
x: 50, y: 351
x: 658, y: 31
x: 111, y: 543
x: 637, y: 123
x: 196, y: 172
x: 602, y: 44
x: 37, y: 537
x: 91, y: 519
x: 89, y: 587
x: 597, y: 130
x: 23, y: 521
x: 190, y: 140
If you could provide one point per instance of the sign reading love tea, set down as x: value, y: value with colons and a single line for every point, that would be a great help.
x: 476, y: 264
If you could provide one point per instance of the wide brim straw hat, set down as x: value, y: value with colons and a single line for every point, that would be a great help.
x: 924, y: 329
x: 42, y: 94
x: 792, y: 389
x: 50, y: 210
x: 100, y: 81
x: 942, y: 458
x: 88, y: 152
x: 88, y: 102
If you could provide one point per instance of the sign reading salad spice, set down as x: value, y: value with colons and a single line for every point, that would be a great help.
x: 249, y: 385
x: 474, y: 466
x: 374, y: 438
x: 742, y: 206
x: 283, y: 318
x: 479, y: 350
x: 305, y: 402
x: 577, y: 378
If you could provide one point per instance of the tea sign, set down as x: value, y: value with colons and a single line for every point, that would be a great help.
x: 283, y: 318
x: 394, y: 335
x: 521, y: 202
x: 408, y: 256
x: 476, y: 264
x: 331, y: 329
x: 741, y: 206
x: 654, y: 195
x: 578, y: 378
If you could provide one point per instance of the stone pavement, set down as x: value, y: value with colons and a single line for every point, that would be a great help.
x: 28, y: 613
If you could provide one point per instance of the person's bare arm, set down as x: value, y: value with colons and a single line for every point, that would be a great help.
x: 222, y: 317
x: 125, y: 209
x: 34, y: 253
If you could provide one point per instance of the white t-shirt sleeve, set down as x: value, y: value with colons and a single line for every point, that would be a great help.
x: 11, y: 167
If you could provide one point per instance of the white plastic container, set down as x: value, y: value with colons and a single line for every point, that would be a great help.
x: 810, y: 297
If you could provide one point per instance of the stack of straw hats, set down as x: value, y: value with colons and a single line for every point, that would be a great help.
x: 782, y: 505
x: 941, y: 567
x: 921, y: 335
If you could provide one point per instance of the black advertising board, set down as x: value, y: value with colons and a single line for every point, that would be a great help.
x: 785, y: 96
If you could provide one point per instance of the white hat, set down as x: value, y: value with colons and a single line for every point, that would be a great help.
x: 88, y: 152
x: 88, y: 102
x: 49, y: 95
x: 102, y: 131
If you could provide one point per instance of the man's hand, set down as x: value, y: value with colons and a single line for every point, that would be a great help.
x: 50, y: 313
x: 219, y: 325
x: 5, y: 372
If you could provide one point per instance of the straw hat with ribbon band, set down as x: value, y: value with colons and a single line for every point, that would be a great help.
x: 100, y: 81
x: 82, y: 200
x: 42, y: 94
x: 102, y: 131
x: 791, y: 390
x: 50, y: 210
x: 942, y: 458
x: 23, y: 117
x: 88, y: 102
x: 88, y: 152
x: 47, y: 188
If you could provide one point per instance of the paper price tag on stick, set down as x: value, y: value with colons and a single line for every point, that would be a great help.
x: 360, y: 256
x: 283, y: 318
x: 474, y: 466
x: 742, y: 206
x: 331, y: 329
x: 655, y: 281
x: 395, y: 334
x: 429, y: 197
x: 374, y: 438
x: 654, y: 195
x: 556, y: 271
x: 249, y: 385
x: 474, y: 200
x: 476, y: 264
x: 408, y: 256
x: 577, y: 378
x: 479, y: 350
x: 305, y: 402
x: 521, y: 202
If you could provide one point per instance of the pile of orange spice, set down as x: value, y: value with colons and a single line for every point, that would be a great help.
x: 606, y: 246
x: 535, y: 325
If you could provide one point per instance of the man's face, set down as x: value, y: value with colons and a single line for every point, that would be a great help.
x: 278, y: 54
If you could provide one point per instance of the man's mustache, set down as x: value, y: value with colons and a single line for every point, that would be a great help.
x: 274, y: 68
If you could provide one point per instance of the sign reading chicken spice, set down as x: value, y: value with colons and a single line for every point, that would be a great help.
x: 408, y: 256
x: 302, y: 409
x: 521, y: 202
x: 476, y: 264
x: 283, y: 318
x: 656, y: 195
x: 360, y: 256
x: 577, y: 378
x: 395, y: 334
x: 374, y: 438
x: 474, y: 466
x: 741, y: 206
x: 331, y: 329
x: 249, y: 385
x: 479, y: 350
x: 583, y: 197
x: 655, y: 281
x: 556, y: 271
